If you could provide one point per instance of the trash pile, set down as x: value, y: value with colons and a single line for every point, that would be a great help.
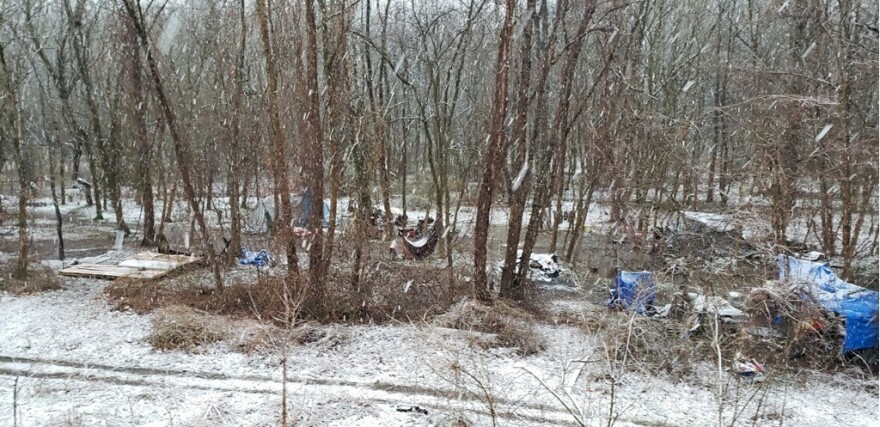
x: 712, y: 241
x: 856, y: 305
x: 633, y: 290
x: 543, y: 267
x: 807, y: 313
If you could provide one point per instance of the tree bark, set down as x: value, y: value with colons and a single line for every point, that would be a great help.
x: 493, y: 156
x: 279, y: 158
x: 20, y: 271
x: 181, y: 148
x: 519, y: 190
x: 314, y: 162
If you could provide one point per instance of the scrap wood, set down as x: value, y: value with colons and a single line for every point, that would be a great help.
x: 144, y: 265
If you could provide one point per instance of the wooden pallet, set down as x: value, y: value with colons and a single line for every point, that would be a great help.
x: 144, y: 265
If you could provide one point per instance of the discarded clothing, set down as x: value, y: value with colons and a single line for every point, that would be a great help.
x: 257, y: 259
x: 750, y: 368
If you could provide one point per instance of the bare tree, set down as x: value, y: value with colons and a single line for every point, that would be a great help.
x: 495, y: 144
x: 181, y: 146
x: 11, y: 83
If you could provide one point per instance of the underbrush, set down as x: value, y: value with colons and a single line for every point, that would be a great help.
x: 650, y: 344
x: 179, y: 327
x: 386, y: 292
x: 511, y: 326
x: 803, y: 340
x: 39, y: 279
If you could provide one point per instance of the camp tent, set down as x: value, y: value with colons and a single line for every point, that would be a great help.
x: 259, y: 219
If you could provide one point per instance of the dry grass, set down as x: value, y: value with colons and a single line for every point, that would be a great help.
x: 182, y: 328
x: 512, y: 326
x: 649, y: 343
x: 39, y: 279
x: 808, y: 336
x: 386, y: 292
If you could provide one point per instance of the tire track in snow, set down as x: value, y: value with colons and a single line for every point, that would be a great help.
x: 378, y: 392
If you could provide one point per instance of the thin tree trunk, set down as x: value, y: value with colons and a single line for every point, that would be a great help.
x: 314, y: 161
x: 519, y: 189
x: 234, y: 176
x: 20, y: 270
x: 279, y: 158
x: 493, y: 156
x: 543, y: 155
x: 144, y: 166
x: 562, y: 125
x: 181, y: 149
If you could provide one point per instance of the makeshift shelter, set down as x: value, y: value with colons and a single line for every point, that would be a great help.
x: 415, y: 248
x: 705, y: 235
x: 857, y: 305
x: 633, y: 290
x: 259, y: 220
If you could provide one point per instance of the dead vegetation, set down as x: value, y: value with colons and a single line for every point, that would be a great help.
x: 265, y: 338
x: 787, y: 329
x: 649, y: 344
x: 181, y: 328
x: 511, y: 326
x: 387, y: 292
x: 39, y: 279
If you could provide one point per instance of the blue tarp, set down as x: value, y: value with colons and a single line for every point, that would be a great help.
x: 855, y: 303
x: 257, y: 259
x: 633, y: 290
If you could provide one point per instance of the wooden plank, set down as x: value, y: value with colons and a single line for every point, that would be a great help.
x: 179, y: 260
x: 98, y: 270
x: 149, y: 274
x: 142, y: 264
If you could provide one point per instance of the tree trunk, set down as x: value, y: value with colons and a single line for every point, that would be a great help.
x: 235, y: 178
x: 20, y: 270
x: 314, y: 162
x: 561, y: 126
x: 493, y: 156
x: 279, y: 158
x: 181, y: 148
x: 144, y: 166
x: 519, y: 189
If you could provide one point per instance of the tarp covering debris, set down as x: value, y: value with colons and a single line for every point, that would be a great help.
x: 633, y: 290
x: 856, y: 304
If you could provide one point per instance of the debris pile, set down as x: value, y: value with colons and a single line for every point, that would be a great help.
x: 713, y: 241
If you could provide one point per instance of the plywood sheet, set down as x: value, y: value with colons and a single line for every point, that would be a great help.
x: 98, y: 270
x: 144, y: 265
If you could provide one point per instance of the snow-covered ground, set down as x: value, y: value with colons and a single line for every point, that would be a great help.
x: 77, y: 362
x: 68, y: 359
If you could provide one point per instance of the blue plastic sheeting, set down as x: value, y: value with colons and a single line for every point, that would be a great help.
x: 633, y: 290
x: 855, y: 303
x: 257, y: 259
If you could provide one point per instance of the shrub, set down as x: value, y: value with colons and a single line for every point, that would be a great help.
x: 512, y: 326
x: 39, y: 279
x: 181, y: 328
